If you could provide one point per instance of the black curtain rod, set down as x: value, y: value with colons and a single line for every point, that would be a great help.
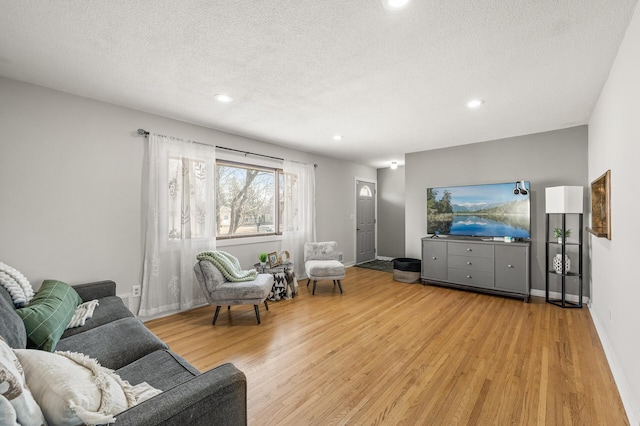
x: 144, y: 133
x: 249, y: 153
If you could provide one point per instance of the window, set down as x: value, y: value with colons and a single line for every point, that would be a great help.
x: 365, y: 191
x: 248, y: 200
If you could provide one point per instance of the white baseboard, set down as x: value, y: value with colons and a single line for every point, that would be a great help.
x: 633, y: 413
x: 555, y: 295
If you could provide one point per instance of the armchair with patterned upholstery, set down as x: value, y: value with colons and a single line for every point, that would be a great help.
x: 321, y: 263
x: 219, y: 291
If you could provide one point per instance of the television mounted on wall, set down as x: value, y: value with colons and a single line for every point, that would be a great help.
x: 490, y: 210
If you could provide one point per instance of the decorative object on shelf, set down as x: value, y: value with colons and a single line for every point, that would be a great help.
x: 557, y: 232
x: 273, y: 259
x: 284, y: 257
x: 601, y: 206
x: 263, y: 259
x: 557, y: 263
x: 563, y: 201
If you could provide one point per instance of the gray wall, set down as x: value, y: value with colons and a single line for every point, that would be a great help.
x: 71, y: 178
x: 391, y: 186
x: 544, y: 159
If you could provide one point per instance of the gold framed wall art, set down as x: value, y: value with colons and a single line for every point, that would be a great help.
x: 601, y: 206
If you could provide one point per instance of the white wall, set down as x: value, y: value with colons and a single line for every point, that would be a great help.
x: 544, y: 159
x: 614, y: 143
x: 71, y: 178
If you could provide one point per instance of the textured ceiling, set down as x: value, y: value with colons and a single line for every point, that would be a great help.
x: 302, y: 71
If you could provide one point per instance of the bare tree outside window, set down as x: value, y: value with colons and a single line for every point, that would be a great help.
x: 246, y: 200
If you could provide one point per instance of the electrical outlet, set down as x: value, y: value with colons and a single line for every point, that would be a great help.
x: 136, y: 289
x: 610, y: 316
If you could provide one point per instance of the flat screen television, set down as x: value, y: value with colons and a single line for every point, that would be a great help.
x: 491, y: 210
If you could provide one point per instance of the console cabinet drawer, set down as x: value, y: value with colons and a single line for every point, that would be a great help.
x: 471, y: 263
x: 466, y: 249
x: 473, y: 278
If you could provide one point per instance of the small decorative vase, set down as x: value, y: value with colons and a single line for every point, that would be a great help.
x: 557, y: 263
x: 559, y: 240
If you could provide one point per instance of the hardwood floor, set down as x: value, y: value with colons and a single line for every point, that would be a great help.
x: 385, y: 352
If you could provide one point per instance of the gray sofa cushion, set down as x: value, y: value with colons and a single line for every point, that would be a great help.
x: 215, y: 397
x: 115, y: 344
x: 11, y: 325
x: 161, y: 369
x: 96, y: 290
x: 109, y: 309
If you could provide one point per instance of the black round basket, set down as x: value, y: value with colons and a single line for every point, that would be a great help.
x: 407, y: 264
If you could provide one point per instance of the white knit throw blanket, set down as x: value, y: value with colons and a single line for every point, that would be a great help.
x: 83, y: 312
x: 16, y: 284
x: 228, y: 265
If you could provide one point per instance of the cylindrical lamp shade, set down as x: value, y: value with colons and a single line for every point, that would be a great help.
x: 564, y: 199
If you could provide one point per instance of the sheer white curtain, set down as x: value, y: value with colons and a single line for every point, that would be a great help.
x: 180, y: 222
x: 299, y: 215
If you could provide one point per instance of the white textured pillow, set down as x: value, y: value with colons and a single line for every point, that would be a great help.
x: 73, y: 388
x: 16, y: 403
x: 16, y: 284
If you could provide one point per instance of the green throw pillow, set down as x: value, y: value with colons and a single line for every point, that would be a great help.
x: 48, y: 314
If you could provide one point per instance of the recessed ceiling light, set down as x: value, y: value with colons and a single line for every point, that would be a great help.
x: 224, y: 98
x: 394, y: 165
x: 395, y: 4
x: 475, y: 103
x: 337, y: 137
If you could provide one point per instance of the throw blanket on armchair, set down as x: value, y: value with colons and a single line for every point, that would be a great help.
x: 228, y: 265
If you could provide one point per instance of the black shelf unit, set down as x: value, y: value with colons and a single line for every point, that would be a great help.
x: 562, y: 301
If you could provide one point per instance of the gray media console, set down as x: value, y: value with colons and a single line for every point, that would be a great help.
x: 487, y: 266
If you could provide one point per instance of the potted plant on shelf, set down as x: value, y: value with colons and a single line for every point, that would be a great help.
x: 557, y: 232
x: 263, y: 259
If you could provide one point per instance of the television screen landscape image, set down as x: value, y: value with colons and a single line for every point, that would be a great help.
x: 491, y: 210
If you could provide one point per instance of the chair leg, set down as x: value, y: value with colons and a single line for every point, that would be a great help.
x: 215, y: 317
x: 314, y: 287
x: 265, y: 304
x: 308, y: 281
x: 228, y: 307
x: 257, y: 312
x: 340, y: 286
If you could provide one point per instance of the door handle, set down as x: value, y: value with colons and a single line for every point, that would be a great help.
x: 357, y: 229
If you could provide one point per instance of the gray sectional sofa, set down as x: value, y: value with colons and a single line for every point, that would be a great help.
x: 121, y: 342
